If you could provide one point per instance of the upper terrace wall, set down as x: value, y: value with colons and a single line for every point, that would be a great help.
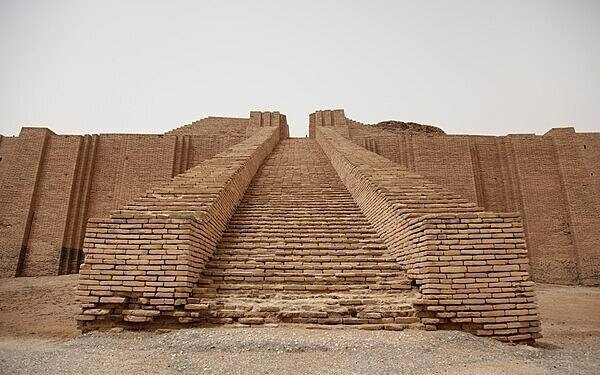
x: 213, y: 126
x: 51, y: 184
x: 552, y: 180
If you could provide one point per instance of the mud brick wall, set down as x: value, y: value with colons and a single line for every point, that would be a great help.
x: 551, y: 179
x: 330, y: 118
x: 142, y: 263
x: 582, y: 200
x: 261, y: 119
x: 431, y: 230
x: 211, y: 126
x: 472, y: 269
x: 51, y: 205
x: 19, y: 171
x: 51, y: 184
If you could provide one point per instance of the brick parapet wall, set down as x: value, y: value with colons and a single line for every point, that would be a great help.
x: 142, y: 262
x: 334, y: 118
x: 261, y: 119
x: 430, y: 231
x: 473, y: 273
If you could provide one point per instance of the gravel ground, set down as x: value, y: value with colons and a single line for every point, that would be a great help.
x: 290, y: 350
x: 571, y: 345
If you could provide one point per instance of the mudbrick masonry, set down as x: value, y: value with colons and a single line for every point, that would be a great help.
x: 229, y: 221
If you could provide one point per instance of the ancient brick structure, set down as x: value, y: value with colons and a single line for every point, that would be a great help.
x: 230, y: 221
x: 551, y: 180
x: 51, y: 184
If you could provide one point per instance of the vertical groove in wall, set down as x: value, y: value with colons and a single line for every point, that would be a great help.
x: 511, y: 199
x: 90, y: 161
x: 563, y: 195
x: 120, y: 173
x: 476, y: 166
x: 369, y: 144
x: 74, y: 198
x: 183, y: 154
x: 189, y: 154
x: 502, y: 181
x: 506, y: 177
x: 515, y: 181
x: 400, y: 146
x: 83, y: 208
x: 71, y: 255
x: 176, y: 156
x: 32, y: 206
x: 410, y: 157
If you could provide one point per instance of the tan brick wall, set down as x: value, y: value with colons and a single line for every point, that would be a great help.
x: 472, y: 269
x: 51, y: 206
x: 546, y: 181
x: 582, y: 203
x: 211, y: 126
x: 19, y: 171
x: 537, y: 194
x: 143, y: 262
x: 51, y: 184
x: 71, y: 255
x: 441, y: 239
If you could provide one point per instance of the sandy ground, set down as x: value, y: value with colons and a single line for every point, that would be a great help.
x: 38, y: 335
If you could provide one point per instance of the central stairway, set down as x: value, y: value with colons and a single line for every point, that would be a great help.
x: 299, y: 250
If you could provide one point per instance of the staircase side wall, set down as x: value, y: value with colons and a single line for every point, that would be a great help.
x: 142, y: 263
x: 465, y: 262
x: 550, y: 179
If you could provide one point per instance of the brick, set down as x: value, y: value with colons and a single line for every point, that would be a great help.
x: 422, y: 219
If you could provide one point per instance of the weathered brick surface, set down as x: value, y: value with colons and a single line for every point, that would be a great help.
x: 299, y: 250
x: 552, y: 180
x: 46, y: 234
x: 331, y: 229
x: 149, y: 253
x: 19, y: 172
x: 472, y: 270
x: 471, y: 266
x: 51, y: 184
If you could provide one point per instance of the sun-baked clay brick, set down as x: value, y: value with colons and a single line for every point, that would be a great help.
x: 227, y: 220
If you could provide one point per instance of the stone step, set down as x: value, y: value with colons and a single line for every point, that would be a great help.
x: 307, y: 264
x: 304, y: 276
x: 299, y: 250
x: 330, y: 308
x: 233, y: 250
x: 254, y: 288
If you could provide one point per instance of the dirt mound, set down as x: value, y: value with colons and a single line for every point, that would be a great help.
x: 394, y: 126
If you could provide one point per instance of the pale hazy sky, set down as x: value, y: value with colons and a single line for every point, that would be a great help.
x: 477, y: 67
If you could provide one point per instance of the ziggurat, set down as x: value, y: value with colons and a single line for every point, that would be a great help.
x: 230, y: 221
